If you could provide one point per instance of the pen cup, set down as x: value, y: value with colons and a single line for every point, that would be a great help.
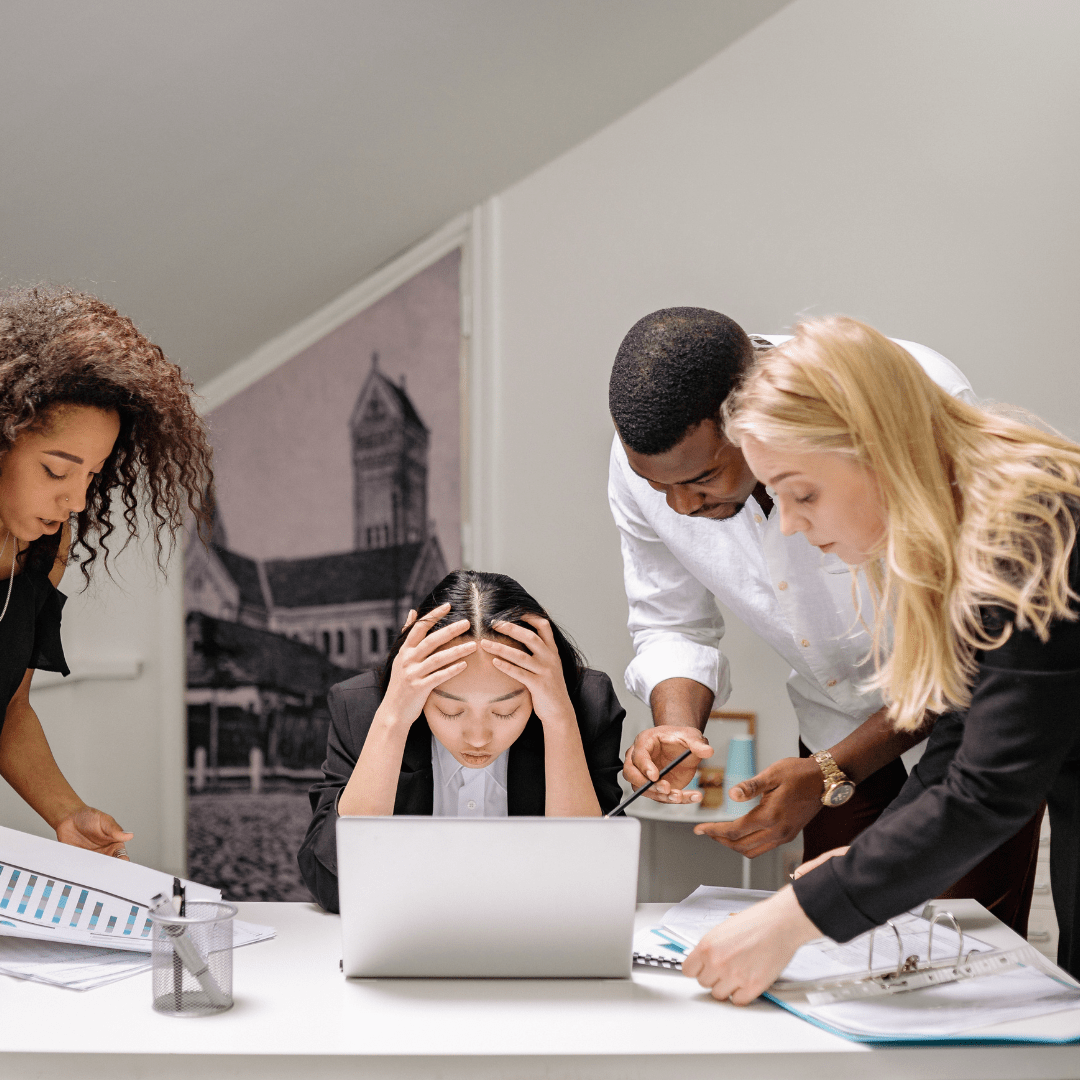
x: 192, y: 960
x: 740, y: 767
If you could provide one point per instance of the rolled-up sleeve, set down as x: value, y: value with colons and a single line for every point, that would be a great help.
x: 674, y: 621
x: 1022, y: 725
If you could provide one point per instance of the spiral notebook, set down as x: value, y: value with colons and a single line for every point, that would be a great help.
x: 653, y: 948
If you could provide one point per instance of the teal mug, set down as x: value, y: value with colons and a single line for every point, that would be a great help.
x: 740, y: 767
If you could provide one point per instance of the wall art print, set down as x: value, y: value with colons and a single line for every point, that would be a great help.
x: 339, y: 505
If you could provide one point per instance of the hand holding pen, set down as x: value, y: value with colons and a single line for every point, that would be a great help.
x: 647, y: 756
x: 645, y: 787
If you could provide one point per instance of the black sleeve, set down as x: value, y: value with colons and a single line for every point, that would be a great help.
x: 600, y: 721
x: 48, y: 651
x: 351, y: 713
x: 986, y: 772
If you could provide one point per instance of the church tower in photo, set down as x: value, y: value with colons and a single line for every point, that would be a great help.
x: 389, y: 456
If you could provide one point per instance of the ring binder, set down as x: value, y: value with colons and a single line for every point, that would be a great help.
x: 910, y: 972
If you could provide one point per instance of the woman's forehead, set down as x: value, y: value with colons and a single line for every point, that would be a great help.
x: 481, y: 681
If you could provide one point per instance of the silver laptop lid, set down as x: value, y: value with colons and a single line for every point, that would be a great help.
x: 513, y: 897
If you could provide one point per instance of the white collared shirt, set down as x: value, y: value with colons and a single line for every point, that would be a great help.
x: 463, y: 792
x: 795, y: 597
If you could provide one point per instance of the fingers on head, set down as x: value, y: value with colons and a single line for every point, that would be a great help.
x: 518, y: 633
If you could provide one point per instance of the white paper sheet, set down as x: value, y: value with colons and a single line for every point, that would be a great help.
x: 952, y: 1008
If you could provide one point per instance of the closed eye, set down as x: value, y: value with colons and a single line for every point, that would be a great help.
x: 503, y: 716
x: 50, y: 473
x: 450, y: 716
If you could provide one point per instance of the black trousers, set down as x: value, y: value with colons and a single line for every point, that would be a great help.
x: 1003, y: 882
x: 1064, y: 804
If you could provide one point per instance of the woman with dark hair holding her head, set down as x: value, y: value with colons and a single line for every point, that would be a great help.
x: 94, y: 421
x: 483, y: 709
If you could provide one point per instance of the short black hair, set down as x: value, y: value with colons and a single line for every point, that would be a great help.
x: 674, y: 369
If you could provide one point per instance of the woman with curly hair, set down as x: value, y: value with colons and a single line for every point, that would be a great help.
x: 94, y: 423
x: 964, y: 522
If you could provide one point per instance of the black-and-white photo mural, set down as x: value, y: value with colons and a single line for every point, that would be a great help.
x: 338, y: 507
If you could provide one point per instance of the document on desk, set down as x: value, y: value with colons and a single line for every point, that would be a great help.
x: 930, y: 1013
x: 54, y: 892
x: 76, y: 967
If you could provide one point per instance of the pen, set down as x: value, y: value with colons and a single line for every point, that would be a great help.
x: 645, y: 787
x: 188, y: 954
x: 179, y: 908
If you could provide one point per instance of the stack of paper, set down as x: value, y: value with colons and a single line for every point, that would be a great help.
x: 76, y: 967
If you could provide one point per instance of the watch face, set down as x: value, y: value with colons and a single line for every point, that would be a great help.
x: 839, y: 794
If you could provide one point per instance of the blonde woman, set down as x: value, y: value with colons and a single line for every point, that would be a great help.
x: 965, y: 524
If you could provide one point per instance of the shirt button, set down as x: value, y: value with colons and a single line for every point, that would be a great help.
x: 471, y: 804
x: 782, y: 586
x: 757, y: 518
x: 831, y: 682
x: 805, y: 643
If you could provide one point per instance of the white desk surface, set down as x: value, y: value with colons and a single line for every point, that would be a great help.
x: 296, y: 1016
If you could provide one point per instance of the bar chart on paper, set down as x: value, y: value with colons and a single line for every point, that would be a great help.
x: 29, y: 899
x: 56, y: 892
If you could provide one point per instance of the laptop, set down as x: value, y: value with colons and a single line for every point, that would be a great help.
x: 514, y: 897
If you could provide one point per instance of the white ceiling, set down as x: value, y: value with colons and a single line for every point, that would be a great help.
x: 219, y: 169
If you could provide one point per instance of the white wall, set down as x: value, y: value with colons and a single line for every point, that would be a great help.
x: 911, y: 162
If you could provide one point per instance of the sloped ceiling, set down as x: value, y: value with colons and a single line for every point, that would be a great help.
x: 219, y: 169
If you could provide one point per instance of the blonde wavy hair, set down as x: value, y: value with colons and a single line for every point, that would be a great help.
x: 981, y: 509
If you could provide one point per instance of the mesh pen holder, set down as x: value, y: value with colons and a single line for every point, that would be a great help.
x: 192, y: 960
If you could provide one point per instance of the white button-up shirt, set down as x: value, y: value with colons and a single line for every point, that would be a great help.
x: 796, y: 598
x: 463, y: 792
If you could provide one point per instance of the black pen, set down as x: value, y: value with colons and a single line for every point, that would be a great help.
x: 645, y: 787
x: 179, y: 908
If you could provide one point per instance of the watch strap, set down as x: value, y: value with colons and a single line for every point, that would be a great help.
x: 831, y: 771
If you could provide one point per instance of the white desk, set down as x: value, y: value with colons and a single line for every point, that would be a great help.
x: 295, y: 1016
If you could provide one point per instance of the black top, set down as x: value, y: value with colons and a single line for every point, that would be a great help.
x: 983, y: 775
x: 352, y: 708
x: 30, y: 631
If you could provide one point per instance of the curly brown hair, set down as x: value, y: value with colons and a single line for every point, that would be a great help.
x: 59, y: 348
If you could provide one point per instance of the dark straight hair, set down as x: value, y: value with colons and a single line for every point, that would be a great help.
x: 486, y: 599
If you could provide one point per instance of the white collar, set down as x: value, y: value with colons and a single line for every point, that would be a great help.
x: 449, y: 767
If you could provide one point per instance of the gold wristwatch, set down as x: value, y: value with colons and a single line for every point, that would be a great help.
x: 838, y: 788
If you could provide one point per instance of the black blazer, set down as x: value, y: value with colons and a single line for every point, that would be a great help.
x: 352, y: 708
x: 982, y: 776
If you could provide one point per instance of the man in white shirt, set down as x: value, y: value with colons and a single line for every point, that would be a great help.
x: 695, y: 524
